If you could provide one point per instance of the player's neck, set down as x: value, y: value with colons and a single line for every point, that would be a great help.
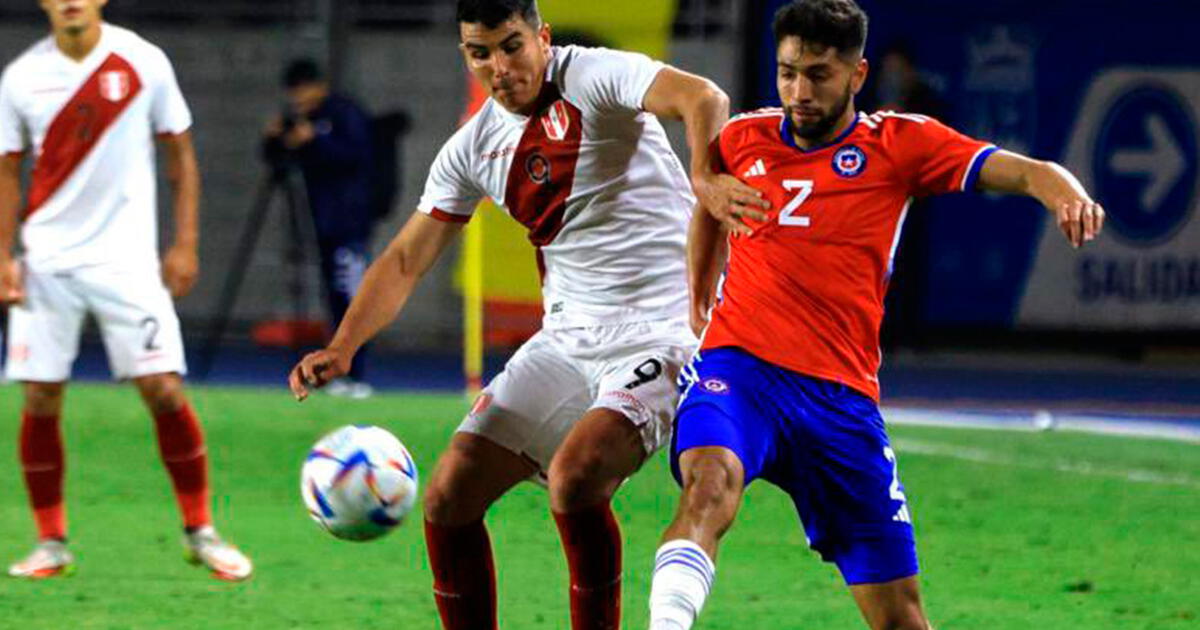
x: 840, y: 128
x: 78, y: 45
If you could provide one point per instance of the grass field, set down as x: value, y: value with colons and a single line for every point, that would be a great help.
x: 1016, y: 530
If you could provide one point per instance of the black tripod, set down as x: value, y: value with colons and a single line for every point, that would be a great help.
x: 282, y: 178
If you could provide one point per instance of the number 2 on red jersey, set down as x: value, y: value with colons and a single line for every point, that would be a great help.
x: 788, y: 216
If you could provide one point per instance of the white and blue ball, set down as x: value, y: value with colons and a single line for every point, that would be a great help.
x: 359, y: 482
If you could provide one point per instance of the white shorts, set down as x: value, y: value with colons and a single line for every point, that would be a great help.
x: 558, y: 375
x: 132, y: 308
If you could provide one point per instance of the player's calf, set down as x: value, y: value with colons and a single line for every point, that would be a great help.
x: 712, y: 493
x: 600, y: 452
x: 471, y: 474
x: 684, y: 567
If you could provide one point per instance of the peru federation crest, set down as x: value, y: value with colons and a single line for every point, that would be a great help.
x: 114, y: 85
x: 849, y: 161
x: 557, y: 121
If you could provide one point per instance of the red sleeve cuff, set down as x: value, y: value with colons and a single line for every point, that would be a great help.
x: 442, y: 215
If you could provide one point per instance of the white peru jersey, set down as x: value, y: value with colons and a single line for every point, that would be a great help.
x: 594, y: 180
x: 91, y: 126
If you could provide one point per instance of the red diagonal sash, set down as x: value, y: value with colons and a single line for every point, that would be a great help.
x: 79, y: 125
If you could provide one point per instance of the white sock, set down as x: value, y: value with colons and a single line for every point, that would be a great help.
x: 683, y: 576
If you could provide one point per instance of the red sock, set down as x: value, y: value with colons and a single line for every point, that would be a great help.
x: 464, y: 577
x: 592, y: 541
x: 181, y: 444
x: 42, y: 461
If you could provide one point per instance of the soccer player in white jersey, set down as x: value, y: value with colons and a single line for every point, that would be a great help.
x: 85, y: 104
x: 571, y: 146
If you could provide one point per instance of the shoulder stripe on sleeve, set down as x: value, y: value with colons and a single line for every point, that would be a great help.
x: 920, y: 119
x: 971, y: 176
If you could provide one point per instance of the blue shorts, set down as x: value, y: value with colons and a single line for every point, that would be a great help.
x: 821, y: 442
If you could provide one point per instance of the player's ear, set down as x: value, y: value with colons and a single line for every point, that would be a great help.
x: 859, y: 79
x: 544, y: 36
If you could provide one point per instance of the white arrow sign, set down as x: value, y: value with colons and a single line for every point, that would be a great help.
x: 1163, y: 163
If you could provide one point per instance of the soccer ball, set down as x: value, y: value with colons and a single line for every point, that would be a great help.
x: 359, y: 482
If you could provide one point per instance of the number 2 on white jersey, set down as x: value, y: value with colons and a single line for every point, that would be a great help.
x: 787, y: 216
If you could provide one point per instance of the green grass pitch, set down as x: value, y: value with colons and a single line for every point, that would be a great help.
x: 1015, y: 530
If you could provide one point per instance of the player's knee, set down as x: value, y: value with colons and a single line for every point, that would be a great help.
x: 905, y: 616
x: 579, y: 481
x: 438, y: 504
x: 710, y: 489
x: 44, y: 399
x: 163, y: 393
x: 448, y: 500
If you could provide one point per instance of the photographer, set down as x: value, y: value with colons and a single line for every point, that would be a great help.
x: 328, y: 136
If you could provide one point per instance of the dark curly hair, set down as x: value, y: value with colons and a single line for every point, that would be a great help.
x: 837, y: 24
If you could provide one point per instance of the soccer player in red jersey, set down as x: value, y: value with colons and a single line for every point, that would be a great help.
x: 89, y: 100
x: 785, y: 386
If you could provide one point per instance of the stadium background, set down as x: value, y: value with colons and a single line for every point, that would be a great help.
x: 1007, y: 325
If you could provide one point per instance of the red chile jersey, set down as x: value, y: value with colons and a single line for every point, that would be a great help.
x: 805, y: 290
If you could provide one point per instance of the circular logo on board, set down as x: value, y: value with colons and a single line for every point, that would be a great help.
x: 1145, y: 163
x: 849, y: 161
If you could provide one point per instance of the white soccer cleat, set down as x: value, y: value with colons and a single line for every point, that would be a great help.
x: 205, y: 547
x: 49, y: 559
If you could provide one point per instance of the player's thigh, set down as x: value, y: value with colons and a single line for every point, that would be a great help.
x: 137, y: 320
x: 721, y: 407
x: 531, y: 406
x: 469, y: 476
x: 846, y: 486
x: 43, y: 332
x: 638, y: 377
x: 601, y: 450
x: 894, y: 605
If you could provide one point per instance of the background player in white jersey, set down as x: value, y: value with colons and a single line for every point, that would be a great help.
x: 88, y: 101
x: 571, y: 146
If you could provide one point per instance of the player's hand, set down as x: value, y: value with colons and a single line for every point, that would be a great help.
x: 1078, y: 216
x: 316, y: 370
x: 12, y: 283
x: 1080, y: 219
x: 180, y: 268
x: 730, y: 201
x: 299, y: 135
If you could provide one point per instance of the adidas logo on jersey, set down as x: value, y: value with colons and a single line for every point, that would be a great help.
x: 758, y: 170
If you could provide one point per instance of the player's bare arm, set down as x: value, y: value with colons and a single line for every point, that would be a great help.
x: 1078, y: 216
x: 386, y: 287
x: 181, y: 264
x: 11, y: 287
x: 704, y: 109
x: 707, y: 249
